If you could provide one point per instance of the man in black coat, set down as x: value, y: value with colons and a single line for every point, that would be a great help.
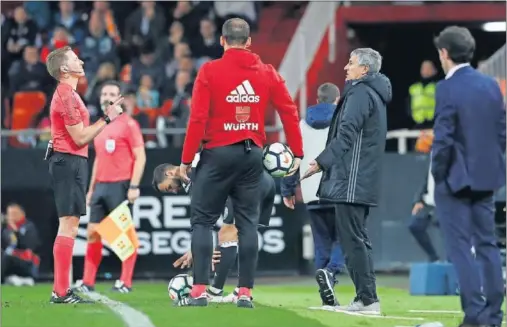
x: 351, y: 166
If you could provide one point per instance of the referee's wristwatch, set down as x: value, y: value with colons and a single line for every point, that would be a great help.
x: 106, y: 119
x: 133, y: 187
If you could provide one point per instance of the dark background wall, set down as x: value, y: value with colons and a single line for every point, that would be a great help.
x: 405, y: 46
x: 25, y: 180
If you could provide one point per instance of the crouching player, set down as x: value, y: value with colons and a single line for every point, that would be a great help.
x: 166, y: 179
x: 224, y: 258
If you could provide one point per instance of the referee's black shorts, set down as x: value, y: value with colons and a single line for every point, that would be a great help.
x: 69, y: 176
x: 223, y: 172
x: 105, y: 198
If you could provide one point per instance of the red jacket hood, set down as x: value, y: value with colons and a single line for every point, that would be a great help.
x: 243, y: 58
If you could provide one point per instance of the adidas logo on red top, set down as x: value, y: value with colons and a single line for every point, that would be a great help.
x: 243, y: 93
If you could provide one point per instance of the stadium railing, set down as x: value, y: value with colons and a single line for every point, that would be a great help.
x: 402, y: 135
x: 144, y: 131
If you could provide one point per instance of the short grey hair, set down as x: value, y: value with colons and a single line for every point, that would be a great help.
x: 369, y: 58
x: 327, y: 93
x: 236, y: 31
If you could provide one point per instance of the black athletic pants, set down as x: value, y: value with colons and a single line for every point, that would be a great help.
x: 353, y: 235
x: 222, y: 172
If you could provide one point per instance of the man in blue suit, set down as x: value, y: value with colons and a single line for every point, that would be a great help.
x: 468, y: 166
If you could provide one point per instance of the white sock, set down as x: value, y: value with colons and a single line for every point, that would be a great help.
x: 215, y: 290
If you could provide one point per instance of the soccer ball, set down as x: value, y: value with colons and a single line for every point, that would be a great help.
x: 180, y: 286
x: 277, y: 159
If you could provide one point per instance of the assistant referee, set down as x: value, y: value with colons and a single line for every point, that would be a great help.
x: 117, y: 170
x: 229, y: 101
x: 68, y: 167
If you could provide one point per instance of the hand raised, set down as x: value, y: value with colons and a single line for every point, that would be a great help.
x: 114, y: 109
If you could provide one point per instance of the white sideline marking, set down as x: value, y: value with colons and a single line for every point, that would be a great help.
x: 439, y: 311
x: 435, y: 311
x: 357, y: 314
x: 130, y: 316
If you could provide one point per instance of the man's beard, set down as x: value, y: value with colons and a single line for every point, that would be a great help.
x: 178, y: 183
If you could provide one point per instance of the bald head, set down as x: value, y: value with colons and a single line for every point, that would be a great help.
x: 328, y: 93
x: 236, y: 32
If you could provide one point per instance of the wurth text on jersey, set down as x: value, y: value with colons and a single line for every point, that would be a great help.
x: 241, y: 127
x: 242, y: 94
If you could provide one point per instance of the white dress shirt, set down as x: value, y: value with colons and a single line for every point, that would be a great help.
x: 455, y: 69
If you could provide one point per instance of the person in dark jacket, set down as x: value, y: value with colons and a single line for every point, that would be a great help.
x: 17, y: 33
x: 20, y: 239
x: 98, y: 47
x: 29, y: 74
x: 147, y: 23
x: 351, y: 166
x: 422, y: 213
x: 328, y: 253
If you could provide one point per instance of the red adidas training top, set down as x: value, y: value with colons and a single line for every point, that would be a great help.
x: 229, y: 102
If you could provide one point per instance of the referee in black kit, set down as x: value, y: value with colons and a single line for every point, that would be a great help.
x: 229, y: 101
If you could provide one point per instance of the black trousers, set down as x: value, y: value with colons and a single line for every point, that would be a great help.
x: 353, y: 235
x: 418, y: 226
x: 267, y: 201
x: 223, y: 172
x: 328, y: 252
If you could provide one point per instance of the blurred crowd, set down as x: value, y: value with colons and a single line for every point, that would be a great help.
x: 154, y: 49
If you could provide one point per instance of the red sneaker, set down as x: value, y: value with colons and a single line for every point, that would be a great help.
x: 197, y: 298
x: 244, y: 298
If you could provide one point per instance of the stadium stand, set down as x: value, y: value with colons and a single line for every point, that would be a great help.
x: 154, y: 48
x: 164, y: 52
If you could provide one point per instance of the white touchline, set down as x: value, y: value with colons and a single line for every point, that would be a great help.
x: 130, y: 316
x: 357, y: 314
x: 435, y: 311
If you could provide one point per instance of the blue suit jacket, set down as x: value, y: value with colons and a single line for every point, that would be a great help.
x: 469, y: 132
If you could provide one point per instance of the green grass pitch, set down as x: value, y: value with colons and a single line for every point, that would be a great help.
x: 282, y: 305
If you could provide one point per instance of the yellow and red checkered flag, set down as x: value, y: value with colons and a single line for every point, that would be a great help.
x: 118, y: 230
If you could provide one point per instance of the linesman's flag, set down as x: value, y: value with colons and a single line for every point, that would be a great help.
x: 118, y: 230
